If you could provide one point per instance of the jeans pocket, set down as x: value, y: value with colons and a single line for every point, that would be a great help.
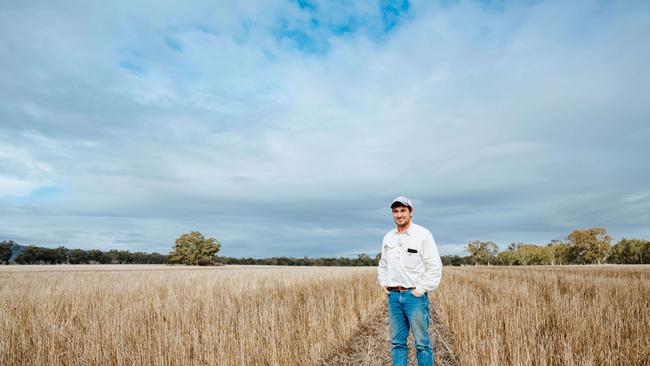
x: 416, y: 296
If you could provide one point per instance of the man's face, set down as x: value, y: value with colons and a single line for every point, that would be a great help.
x: 402, y: 216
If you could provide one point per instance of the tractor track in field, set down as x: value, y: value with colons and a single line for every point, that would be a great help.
x: 370, y: 346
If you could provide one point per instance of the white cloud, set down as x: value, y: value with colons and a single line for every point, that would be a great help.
x: 494, y: 119
x: 11, y: 187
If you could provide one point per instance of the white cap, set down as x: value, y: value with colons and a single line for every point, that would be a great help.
x: 403, y: 200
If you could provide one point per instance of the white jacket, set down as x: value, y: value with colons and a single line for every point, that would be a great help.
x: 410, y: 259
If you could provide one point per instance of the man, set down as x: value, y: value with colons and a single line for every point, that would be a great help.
x: 409, y: 268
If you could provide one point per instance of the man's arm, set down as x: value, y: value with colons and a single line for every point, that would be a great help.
x: 382, y: 268
x: 432, y: 264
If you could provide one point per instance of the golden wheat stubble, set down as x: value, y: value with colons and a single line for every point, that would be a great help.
x: 544, y: 315
x: 159, y: 315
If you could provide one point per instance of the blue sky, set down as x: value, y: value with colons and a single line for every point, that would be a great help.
x: 286, y: 127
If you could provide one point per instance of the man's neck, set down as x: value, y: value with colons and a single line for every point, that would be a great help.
x: 403, y: 229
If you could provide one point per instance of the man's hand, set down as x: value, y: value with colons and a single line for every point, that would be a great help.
x: 386, y: 290
x: 416, y: 293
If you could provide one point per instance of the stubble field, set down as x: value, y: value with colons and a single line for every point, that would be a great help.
x: 160, y: 315
x: 547, y: 315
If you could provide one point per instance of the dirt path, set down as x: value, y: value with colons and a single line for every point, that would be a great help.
x: 371, y: 345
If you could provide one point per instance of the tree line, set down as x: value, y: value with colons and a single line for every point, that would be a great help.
x: 195, y: 249
x: 360, y: 260
x: 585, y: 246
x: 190, y: 249
x: 62, y: 255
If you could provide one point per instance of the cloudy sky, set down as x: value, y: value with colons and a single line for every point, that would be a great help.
x: 287, y: 127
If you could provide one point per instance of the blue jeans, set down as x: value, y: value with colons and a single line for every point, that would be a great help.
x: 406, y: 311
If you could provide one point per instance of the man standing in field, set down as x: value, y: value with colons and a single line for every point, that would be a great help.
x: 409, y: 268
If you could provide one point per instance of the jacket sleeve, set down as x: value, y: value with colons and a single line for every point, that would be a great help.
x: 382, y: 270
x: 432, y: 264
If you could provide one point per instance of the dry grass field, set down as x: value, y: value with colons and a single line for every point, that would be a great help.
x: 589, y: 315
x: 161, y: 315
x: 158, y: 315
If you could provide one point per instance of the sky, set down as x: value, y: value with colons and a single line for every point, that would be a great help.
x: 286, y: 128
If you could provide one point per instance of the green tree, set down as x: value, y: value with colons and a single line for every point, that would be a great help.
x: 535, y: 255
x: 559, y: 252
x: 628, y: 251
x: 96, y: 256
x: 77, y: 256
x: 194, y: 249
x: 365, y: 260
x: 526, y: 254
x: 590, y: 246
x: 507, y: 258
x: 28, y: 256
x: 482, y: 252
x: 5, y: 251
x: 451, y: 260
x: 60, y: 255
